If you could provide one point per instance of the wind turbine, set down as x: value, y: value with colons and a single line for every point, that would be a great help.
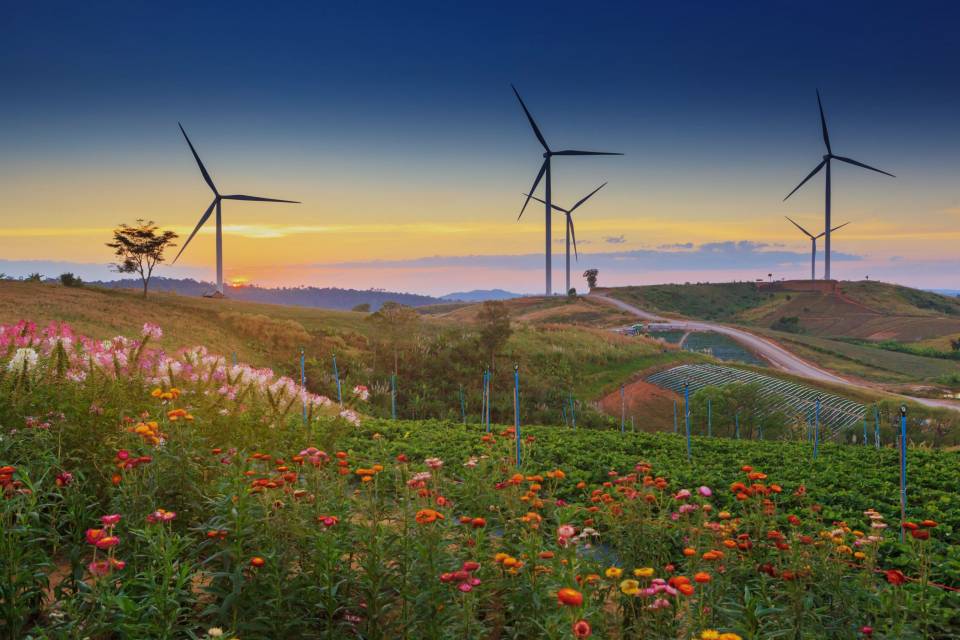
x: 570, y: 230
x: 216, y: 204
x: 813, y: 244
x: 827, y: 157
x: 545, y: 173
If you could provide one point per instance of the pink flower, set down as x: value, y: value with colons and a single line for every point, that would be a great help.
x: 152, y: 331
x: 111, y: 520
x: 706, y: 492
x: 683, y: 494
x: 465, y: 587
x: 434, y: 463
x: 566, y: 531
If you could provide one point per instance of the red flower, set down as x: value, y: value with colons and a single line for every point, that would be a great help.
x: 920, y: 534
x: 257, y: 561
x: 581, y: 629
x: 470, y: 565
x: 569, y: 597
x: 910, y: 525
x: 895, y: 577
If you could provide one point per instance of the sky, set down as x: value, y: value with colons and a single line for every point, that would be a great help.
x: 395, y: 126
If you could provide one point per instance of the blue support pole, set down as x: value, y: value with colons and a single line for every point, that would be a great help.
x: 516, y: 407
x: 864, y: 428
x: 573, y: 411
x: 903, y: 467
x: 736, y: 418
x: 463, y: 407
x: 816, y: 430
x: 686, y: 412
x: 303, y: 382
x: 674, y: 416
x: 393, y: 396
x: 633, y: 425
x: 336, y: 376
x: 489, y: 376
x: 563, y: 412
x: 876, y: 426
x: 710, y: 417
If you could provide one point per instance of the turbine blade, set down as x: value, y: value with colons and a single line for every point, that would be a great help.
x: 573, y: 236
x: 257, y: 199
x: 839, y: 227
x: 203, y: 219
x: 533, y: 124
x: 586, y: 197
x: 574, y: 152
x: 543, y: 169
x: 203, y: 169
x: 823, y: 125
x: 798, y: 226
x: 552, y: 206
x: 865, y: 166
x: 810, y: 175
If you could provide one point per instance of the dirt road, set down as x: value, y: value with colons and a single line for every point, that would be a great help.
x: 770, y: 351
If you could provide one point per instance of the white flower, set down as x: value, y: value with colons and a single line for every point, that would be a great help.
x: 24, y: 358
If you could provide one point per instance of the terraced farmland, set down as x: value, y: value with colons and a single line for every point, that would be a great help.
x: 836, y: 412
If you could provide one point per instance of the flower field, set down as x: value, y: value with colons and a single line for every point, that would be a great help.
x: 153, y: 495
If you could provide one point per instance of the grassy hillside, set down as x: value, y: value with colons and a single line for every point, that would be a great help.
x: 438, y: 354
x: 872, y: 330
x: 542, y: 310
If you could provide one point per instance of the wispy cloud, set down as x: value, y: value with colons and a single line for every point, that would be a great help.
x: 743, y: 254
x: 676, y: 245
x: 615, y: 239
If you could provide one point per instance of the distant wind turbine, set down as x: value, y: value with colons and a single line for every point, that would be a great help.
x: 545, y: 173
x: 828, y: 156
x: 813, y: 244
x: 216, y: 203
x: 570, y: 230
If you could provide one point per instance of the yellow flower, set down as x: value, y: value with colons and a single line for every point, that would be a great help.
x: 643, y: 572
x: 630, y: 587
x: 729, y: 636
x: 614, y: 573
x: 710, y: 634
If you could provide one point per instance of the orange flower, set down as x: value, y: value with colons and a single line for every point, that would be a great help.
x: 702, y: 577
x: 686, y: 589
x: 689, y: 551
x: 427, y: 516
x: 257, y: 561
x: 569, y: 597
x: 930, y: 524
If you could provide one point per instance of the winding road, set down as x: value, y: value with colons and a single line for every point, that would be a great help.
x: 769, y: 350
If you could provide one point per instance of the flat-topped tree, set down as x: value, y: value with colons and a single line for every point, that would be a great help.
x: 139, y: 248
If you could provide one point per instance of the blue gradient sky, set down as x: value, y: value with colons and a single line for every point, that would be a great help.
x: 396, y: 127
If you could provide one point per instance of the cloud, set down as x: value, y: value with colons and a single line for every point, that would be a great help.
x: 615, y: 239
x: 744, y: 254
x: 676, y: 245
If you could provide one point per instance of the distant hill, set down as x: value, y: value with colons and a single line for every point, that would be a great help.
x: 864, y: 310
x: 946, y: 292
x: 322, y: 298
x: 480, y: 295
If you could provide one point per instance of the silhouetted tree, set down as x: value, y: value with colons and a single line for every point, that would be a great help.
x: 140, y: 248
x: 362, y: 308
x: 591, y: 276
x: 69, y: 280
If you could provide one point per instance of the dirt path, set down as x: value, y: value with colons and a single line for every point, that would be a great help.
x: 770, y: 351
